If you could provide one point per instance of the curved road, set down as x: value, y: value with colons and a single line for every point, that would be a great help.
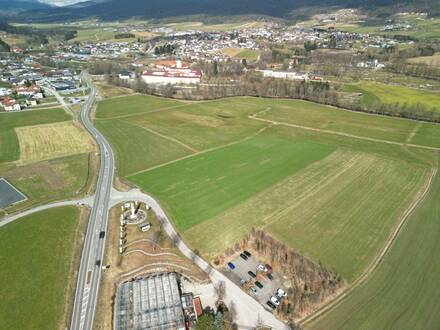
x: 249, y: 311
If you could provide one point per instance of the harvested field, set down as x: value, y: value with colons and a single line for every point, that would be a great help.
x: 42, y: 142
x: 9, y: 146
x: 427, y: 60
x: 403, y: 292
x: 109, y: 91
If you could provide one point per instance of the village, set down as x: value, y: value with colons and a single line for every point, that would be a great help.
x: 24, y: 71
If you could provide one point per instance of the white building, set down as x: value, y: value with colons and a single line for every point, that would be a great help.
x: 284, y: 75
x: 167, y: 77
x: 10, y: 104
x: 172, y: 72
x: 5, y: 92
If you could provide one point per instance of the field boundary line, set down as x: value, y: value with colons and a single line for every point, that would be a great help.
x: 321, y: 130
x: 166, y: 137
x: 377, y: 260
x: 413, y: 133
x: 201, y: 152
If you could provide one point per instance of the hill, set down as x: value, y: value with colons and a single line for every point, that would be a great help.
x: 159, y: 9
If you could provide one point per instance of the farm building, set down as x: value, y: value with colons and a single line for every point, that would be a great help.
x: 152, y: 302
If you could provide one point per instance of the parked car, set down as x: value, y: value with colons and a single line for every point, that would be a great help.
x: 247, y: 253
x: 270, y: 276
x: 243, y: 256
x: 281, y: 293
x: 231, y: 266
x: 252, y: 274
x: 254, y: 290
x: 259, y: 284
x: 269, y: 268
x: 262, y: 268
x: 270, y: 304
x: 274, y: 300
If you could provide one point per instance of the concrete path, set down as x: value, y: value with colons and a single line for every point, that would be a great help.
x: 10, y: 218
x: 249, y: 311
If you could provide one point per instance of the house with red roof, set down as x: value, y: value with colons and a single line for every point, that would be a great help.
x: 9, y: 104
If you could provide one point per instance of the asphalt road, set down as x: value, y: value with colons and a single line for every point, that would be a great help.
x: 249, y: 311
x: 89, y: 276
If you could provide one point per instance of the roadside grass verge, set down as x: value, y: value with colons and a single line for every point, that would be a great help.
x: 36, y: 255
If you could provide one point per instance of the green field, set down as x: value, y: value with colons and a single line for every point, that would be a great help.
x: 373, y: 92
x: 221, y: 183
x: 403, y: 292
x: 311, y: 175
x: 424, y: 28
x: 9, y: 148
x: 36, y: 256
x: 130, y: 105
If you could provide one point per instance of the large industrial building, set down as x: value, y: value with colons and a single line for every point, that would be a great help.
x: 153, y: 302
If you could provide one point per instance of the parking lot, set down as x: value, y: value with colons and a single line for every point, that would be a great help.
x: 240, y: 275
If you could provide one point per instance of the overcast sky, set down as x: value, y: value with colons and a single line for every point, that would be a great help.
x: 61, y: 2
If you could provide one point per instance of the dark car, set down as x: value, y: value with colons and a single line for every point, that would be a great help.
x: 259, y: 284
x: 271, y: 304
x: 247, y: 253
x: 102, y: 234
x: 98, y: 263
x: 252, y: 274
x: 243, y: 256
x: 231, y: 266
x: 270, y: 276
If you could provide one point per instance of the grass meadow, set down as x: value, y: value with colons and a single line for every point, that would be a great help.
x: 403, y: 292
x: 222, y: 167
x: 36, y: 257
x: 373, y: 91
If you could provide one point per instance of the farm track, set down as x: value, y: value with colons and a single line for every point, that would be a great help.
x: 321, y: 130
x: 169, y: 138
x: 161, y: 254
x: 413, y: 133
x: 377, y: 260
x: 261, y: 130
